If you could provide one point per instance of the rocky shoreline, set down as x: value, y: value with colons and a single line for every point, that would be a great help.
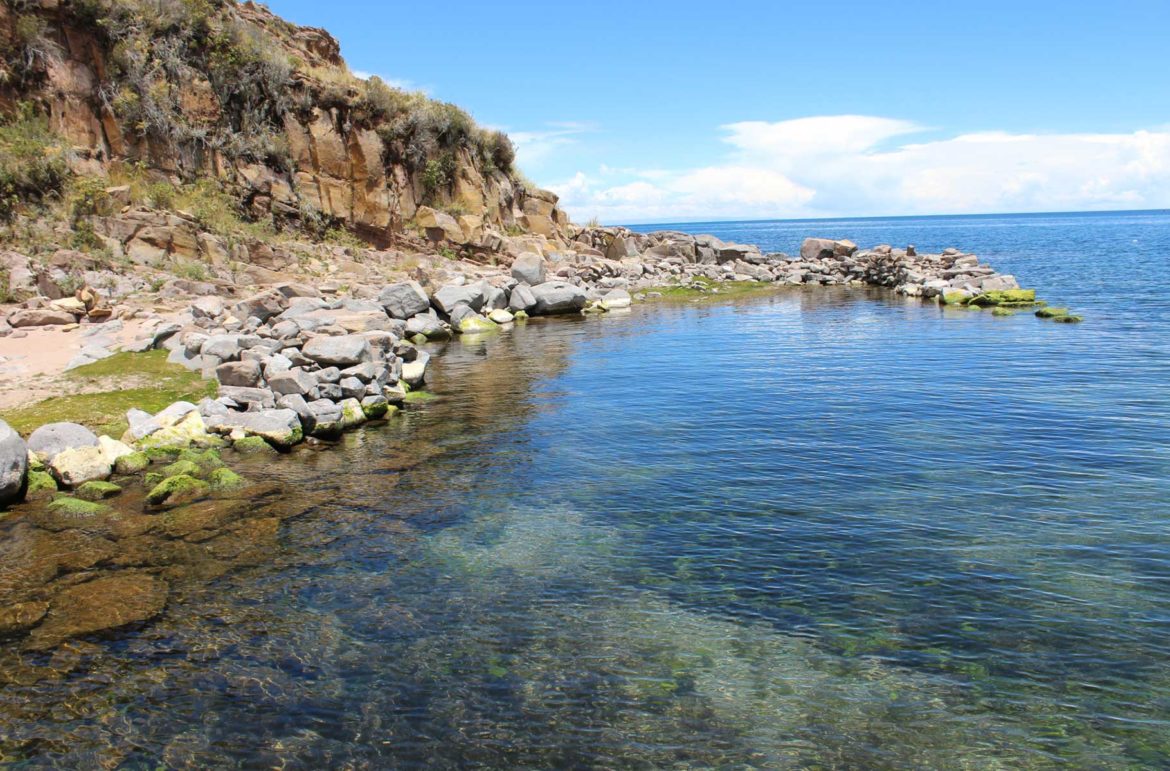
x: 296, y: 364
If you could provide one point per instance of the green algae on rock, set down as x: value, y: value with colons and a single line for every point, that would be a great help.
x: 76, y: 508
x: 178, y: 489
x: 253, y: 445
x: 97, y: 491
x: 134, y: 463
x: 40, y: 485
x: 223, y: 478
x: 1003, y: 312
x: 182, y: 468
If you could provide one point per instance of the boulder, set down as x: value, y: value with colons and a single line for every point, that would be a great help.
x: 426, y: 324
x: 280, y: 428
x: 439, y: 226
x: 78, y: 465
x: 243, y: 374
x: 825, y: 248
x: 528, y: 268
x: 615, y: 299
x: 13, y: 465
x: 342, y: 351
x: 501, y: 316
x: 51, y: 439
x: 41, y: 317
x: 450, y: 296
x: 558, y: 297
x: 521, y: 298
x: 209, y: 307
x: 262, y: 306
x: 999, y: 283
x: 401, y: 301
x: 294, y: 382
x: 142, y: 424
x: 222, y: 347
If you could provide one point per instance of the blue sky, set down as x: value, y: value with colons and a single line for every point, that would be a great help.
x: 656, y: 111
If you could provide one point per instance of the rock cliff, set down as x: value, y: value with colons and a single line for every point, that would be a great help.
x: 229, y: 91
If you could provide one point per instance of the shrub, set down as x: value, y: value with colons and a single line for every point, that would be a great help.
x: 439, y: 174
x: 32, y: 161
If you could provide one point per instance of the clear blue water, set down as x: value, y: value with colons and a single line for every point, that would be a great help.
x: 823, y: 528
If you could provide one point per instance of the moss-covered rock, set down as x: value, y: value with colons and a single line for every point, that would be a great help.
x: 163, y: 453
x: 1051, y: 313
x: 207, y: 460
x: 520, y: 316
x: 224, y: 478
x: 1003, y: 312
x: 1068, y: 318
x: 76, y: 508
x: 955, y: 298
x: 178, y: 489
x: 1008, y: 297
x: 253, y: 445
x: 477, y: 324
x: 97, y: 491
x: 183, y: 468
x: 134, y: 463
x: 40, y: 485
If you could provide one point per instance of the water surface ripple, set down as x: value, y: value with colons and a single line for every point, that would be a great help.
x: 824, y: 528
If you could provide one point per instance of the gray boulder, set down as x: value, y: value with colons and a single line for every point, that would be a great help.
x: 341, y: 351
x: 448, y: 297
x: 294, y: 382
x: 259, y: 397
x: 280, y: 428
x: 521, y: 298
x: 558, y: 297
x: 243, y: 374
x: 13, y: 465
x: 528, y: 268
x: 426, y: 324
x: 52, y: 439
x: 222, y: 347
x: 401, y: 301
x: 262, y: 306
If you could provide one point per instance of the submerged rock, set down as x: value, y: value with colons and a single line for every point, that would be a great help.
x: 100, y: 605
x: 182, y: 488
x: 97, y: 491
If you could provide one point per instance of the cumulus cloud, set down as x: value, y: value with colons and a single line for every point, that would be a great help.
x: 862, y: 165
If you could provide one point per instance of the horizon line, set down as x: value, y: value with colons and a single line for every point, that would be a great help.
x: 889, y: 217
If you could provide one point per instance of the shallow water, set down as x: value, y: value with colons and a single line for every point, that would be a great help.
x: 823, y: 528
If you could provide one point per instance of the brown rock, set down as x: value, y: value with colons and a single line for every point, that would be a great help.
x: 19, y: 618
x: 41, y: 318
x: 100, y: 605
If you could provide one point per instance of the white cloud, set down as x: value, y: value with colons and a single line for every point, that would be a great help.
x: 861, y: 165
x: 532, y: 147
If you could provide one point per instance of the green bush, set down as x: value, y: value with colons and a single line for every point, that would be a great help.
x: 439, y: 174
x: 32, y: 162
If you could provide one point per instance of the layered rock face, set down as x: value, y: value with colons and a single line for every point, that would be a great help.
x: 232, y: 91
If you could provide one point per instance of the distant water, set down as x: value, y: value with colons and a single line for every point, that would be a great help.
x: 826, y: 528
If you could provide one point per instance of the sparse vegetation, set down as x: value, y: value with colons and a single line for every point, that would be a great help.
x: 32, y: 161
x: 125, y: 380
